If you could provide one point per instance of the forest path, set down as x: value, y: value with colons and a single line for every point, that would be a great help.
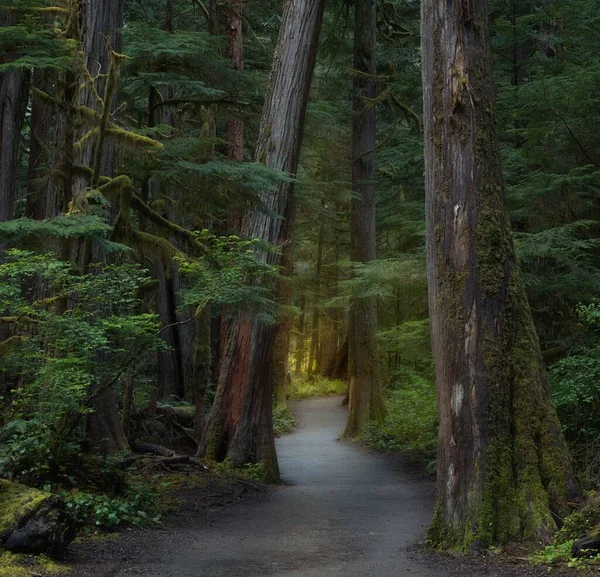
x: 346, y: 511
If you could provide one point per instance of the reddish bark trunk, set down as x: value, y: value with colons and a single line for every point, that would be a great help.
x: 240, y: 424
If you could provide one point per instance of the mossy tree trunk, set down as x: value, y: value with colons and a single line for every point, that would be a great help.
x: 14, y: 91
x: 102, y: 32
x: 365, y: 397
x: 240, y: 424
x: 102, y: 20
x: 503, y: 468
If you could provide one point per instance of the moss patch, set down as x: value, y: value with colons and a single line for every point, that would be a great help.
x: 18, y: 503
x: 12, y: 565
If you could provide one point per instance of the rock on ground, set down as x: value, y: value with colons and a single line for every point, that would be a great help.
x: 33, y: 521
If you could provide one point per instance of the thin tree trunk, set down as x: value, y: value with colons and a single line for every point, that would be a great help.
x: 202, y: 370
x: 236, y: 57
x: 285, y: 320
x: 503, y: 468
x: 301, y: 340
x: 365, y: 397
x: 212, y: 17
x: 314, y: 331
x: 338, y: 366
x: 235, y: 153
x: 240, y: 424
x: 39, y: 158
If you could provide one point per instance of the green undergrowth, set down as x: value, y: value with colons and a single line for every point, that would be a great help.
x: 138, y: 507
x: 304, y: 386
x: 559, y: 555
x: 254, y: 472
x: 581, y: 522
x: 284, y: 421
x: 411, y: 421
x: 12, y: 565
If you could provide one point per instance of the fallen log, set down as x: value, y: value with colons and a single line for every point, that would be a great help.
x: 588, y: 546
x: 141, y: 447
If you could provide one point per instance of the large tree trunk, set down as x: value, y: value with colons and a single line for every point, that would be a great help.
x: 102, y: 32
x: 503, y: 468
x: 102, y: 21
x: 14, y: 87
x: 240, y: 424
x: 365, y: 397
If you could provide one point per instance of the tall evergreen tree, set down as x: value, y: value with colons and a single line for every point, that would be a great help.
x: 365, y: 397
x: 503, y: 467
x: 240, y: 423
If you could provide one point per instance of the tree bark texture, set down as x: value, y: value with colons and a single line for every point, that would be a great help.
x: 35, y: 206
x: 503, y: 468
x: 101, y: 33
x: 236, y: 57
x: 14, y: 91
x: 240, y: 424
x: 365, y: 398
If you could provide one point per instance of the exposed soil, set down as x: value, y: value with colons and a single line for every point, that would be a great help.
x: 344, y: 511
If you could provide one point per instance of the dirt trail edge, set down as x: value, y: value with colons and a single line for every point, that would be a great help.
x: 344, y: 511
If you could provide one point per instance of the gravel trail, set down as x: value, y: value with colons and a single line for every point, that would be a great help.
x: 344, y: 511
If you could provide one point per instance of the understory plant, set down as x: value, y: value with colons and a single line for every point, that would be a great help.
x: 66, y: 334
x: 411, y: 421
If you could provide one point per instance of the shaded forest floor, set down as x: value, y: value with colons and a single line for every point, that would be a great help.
x: 343, y: 510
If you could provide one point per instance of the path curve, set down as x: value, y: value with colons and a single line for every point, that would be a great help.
x: 346, y: 511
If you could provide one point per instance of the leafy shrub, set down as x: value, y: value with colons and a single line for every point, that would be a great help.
x: 575, y: 383
x: 552, y: 554
x: 411, y: 421
x: 584, y: 520
x: 283, y: 420
x: 107, y: 513
x: 56, y: 352
x: 307, y: 386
